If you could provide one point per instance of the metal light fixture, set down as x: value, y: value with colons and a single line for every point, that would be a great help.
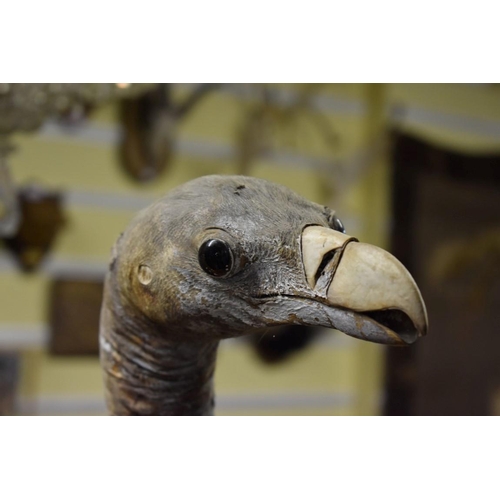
x: 25, y: 106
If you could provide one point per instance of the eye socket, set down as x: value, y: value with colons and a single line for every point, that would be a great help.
x: 336, y: 224
x: 216, y: 258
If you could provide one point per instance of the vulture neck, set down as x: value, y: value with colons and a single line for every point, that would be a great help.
x: 148, y: 371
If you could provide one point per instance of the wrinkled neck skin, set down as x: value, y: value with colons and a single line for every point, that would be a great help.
x: 147, y: 370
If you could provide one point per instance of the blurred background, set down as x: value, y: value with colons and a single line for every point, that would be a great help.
x: 413, y: 168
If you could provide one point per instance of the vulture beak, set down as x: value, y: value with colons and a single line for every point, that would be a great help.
x: 369, y: 294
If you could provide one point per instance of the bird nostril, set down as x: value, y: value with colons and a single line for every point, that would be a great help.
x: 321, y: 251
x: 324, y: 262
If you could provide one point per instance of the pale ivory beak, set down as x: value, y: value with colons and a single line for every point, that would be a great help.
x: 368, y: 282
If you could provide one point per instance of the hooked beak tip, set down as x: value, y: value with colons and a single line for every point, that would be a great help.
x: 372, y: 284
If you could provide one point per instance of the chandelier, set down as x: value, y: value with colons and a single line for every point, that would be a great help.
x: 25, y: 106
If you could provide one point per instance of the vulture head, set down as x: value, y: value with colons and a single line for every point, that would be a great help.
x: 223, y: 256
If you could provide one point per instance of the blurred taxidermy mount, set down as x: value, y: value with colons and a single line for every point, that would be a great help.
x: 41, y: 218
x: 149, y: 124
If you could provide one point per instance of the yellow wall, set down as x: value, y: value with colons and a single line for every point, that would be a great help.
x: 337, y: 375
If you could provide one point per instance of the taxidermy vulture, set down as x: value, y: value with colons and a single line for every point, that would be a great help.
x: 220, y: 257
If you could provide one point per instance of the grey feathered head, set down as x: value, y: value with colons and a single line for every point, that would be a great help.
x: 221, y: 256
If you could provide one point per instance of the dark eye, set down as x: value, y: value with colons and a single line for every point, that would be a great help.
x: 215, y: 258
x: 336, y: 223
